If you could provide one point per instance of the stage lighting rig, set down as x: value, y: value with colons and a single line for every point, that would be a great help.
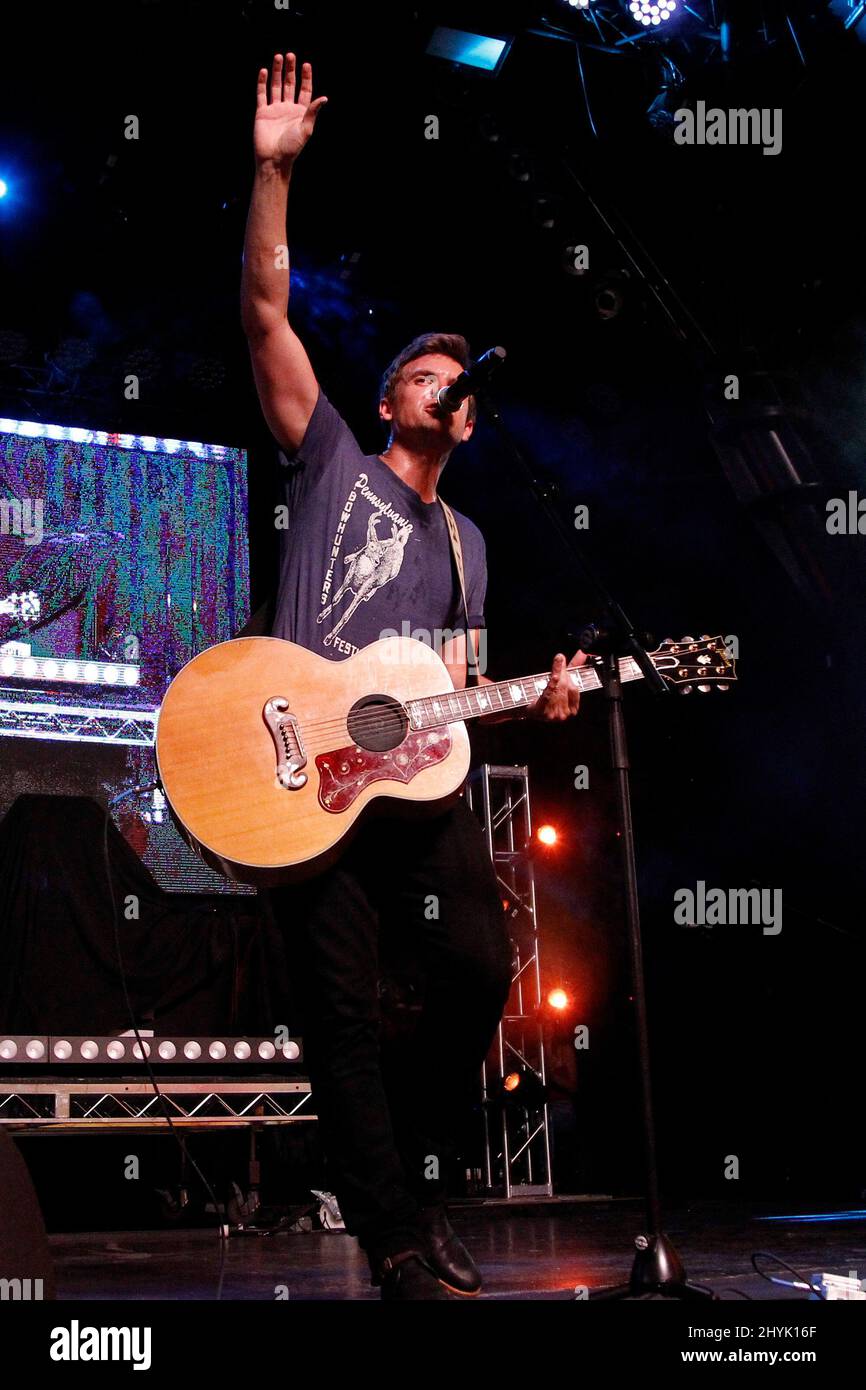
x: 660, y: 113
x: 523, y: 1086
x: 652, y: 12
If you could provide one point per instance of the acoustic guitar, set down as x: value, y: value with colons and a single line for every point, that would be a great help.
x: 269, y: 754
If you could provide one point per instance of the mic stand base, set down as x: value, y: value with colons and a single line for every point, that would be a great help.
x: 657, y: 1272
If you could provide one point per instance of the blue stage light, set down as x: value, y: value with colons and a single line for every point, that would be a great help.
x: 469, y: 50
x: 4, y: 188
x: 852, y: 14
x: 852, y: 1214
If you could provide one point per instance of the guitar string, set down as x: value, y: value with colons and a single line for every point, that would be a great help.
x: 364, y: 722
x: 367, y: 722
x: 338, y: 728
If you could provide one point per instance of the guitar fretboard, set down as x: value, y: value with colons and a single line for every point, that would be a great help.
x: 433, y: 710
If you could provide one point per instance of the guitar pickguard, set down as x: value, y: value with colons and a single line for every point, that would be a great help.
x: 345, y: 772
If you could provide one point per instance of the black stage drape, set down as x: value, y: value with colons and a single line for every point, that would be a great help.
x: 192, y: 964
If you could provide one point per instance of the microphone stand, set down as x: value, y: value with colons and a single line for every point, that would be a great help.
x: 657, y: 1269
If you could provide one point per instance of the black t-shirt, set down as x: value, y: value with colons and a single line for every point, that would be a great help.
x: 362, y: 556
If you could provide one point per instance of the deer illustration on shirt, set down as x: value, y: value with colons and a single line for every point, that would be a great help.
x: 371, y: 567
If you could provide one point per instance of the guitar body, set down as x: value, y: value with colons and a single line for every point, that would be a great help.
x: 270, y: 755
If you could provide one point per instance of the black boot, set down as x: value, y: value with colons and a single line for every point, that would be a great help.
x: 407, y: 1276
x: 448, y: 1256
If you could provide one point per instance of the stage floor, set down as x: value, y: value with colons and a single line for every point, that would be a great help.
x: 539, y: 1250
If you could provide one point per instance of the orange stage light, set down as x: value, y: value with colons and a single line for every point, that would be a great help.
x: 547, y: 834
x: 558, y: 999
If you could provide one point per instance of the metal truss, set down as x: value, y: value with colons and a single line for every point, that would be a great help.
x: 52, y: 1106
x: 516, y: 1132
x: 77, y: 723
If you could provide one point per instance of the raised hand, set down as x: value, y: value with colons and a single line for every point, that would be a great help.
x: 284, y: 124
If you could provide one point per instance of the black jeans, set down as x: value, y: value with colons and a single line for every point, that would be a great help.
x: 389, y: 1126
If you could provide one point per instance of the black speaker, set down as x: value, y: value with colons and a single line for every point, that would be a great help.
x: 26, y: 1270
x: 101, y: 771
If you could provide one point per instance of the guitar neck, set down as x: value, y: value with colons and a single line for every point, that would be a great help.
x: 475, y: 701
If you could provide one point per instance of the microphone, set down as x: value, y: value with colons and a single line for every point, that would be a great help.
x: 477, y: 375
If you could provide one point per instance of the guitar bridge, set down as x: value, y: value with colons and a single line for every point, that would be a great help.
x: 291, y: 754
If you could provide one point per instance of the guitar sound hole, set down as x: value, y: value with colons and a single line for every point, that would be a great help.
x: 377, y: 723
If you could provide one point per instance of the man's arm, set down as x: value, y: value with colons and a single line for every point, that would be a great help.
x: 284, y: 376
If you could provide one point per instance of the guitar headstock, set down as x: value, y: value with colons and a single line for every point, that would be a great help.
x: 695, y: 663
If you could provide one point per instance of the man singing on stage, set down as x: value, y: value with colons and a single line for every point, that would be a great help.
x: 368, y: 549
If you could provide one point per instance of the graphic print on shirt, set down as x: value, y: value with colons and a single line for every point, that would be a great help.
x: 371, y: 567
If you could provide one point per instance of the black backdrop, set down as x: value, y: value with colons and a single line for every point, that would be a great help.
x: 206, y: 965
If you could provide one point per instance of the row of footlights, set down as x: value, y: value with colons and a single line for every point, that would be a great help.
x: 30, y: 1048
x: 58, y: 669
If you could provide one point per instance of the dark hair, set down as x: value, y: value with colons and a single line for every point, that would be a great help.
x: 447, y: 344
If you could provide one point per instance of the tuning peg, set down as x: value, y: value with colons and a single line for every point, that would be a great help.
x: 705, y: 637
x: 688, y: 639
x: 666, y: 642
x: 686, y: 689
x: 704, y: 689
x: 723, y: 687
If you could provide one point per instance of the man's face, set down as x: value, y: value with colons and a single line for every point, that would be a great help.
x: 414, y: 413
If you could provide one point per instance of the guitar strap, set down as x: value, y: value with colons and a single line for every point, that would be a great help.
x: 457, y: 552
